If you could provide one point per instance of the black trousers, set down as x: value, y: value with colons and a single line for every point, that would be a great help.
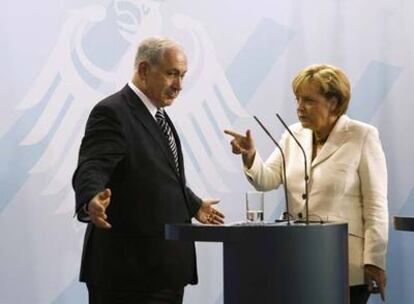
x: 98, y: 295
x: 359, y: 294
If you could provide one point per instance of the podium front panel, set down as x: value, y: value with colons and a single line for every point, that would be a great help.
x: 277, y: 263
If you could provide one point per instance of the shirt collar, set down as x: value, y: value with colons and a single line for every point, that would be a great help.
x: 145, y: 100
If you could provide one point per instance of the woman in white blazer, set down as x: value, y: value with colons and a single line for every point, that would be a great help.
x: 347, y: 174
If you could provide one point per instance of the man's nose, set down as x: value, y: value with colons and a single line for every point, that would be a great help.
x: 177, y: 83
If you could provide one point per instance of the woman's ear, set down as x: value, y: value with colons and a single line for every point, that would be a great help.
x: 334, y: 105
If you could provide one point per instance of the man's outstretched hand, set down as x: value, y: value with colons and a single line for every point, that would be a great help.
x: 97, y: 209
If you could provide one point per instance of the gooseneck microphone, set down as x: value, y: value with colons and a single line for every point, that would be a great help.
x: 306, y: 195
x: 283, y: 167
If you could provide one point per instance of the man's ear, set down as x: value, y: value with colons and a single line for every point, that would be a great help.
x: 143, y: 69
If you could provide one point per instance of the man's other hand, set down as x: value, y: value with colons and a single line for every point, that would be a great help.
x: 97, y: 207
x: 207, y: 214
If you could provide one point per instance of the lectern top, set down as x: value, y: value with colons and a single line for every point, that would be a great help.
x: 236, y: 232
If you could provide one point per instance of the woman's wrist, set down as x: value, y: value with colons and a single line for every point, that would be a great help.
x: 248, y: 158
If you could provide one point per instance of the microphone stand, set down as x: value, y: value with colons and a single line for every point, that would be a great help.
x: 306, y: 195
x: 283, y: 169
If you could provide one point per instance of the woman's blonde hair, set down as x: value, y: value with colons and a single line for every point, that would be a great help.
x: 332, y: 83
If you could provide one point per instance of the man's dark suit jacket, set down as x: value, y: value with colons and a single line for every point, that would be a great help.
x: 125, y: 150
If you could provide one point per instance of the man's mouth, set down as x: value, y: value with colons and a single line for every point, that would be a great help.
x: 172, y: 94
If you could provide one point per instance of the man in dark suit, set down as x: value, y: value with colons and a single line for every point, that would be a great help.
x: 130, y: 182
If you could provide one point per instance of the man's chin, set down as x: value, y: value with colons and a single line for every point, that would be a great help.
x: 168, y: 101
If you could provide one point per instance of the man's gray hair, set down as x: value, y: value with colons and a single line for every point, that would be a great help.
x: 152, y: 49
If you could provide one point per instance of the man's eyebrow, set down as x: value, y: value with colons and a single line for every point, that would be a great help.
x: 175, y: 70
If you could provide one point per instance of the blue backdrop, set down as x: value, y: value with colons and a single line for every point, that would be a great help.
x: 58, y: 58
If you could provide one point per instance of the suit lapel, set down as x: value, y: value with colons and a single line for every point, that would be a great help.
x: 149, y: 123
x: 336, y: 139
x: 180, y: 175
x: 178, y: 144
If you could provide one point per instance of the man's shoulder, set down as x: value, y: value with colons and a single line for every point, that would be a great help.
x: 114, y: 105
x: 114, y: 100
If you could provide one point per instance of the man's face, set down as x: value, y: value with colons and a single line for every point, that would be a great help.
x: 163, y: 82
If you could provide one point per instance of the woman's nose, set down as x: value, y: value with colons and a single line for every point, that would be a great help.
x: 299, y: 105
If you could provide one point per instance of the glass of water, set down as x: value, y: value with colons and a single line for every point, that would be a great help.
x: 254, y: 207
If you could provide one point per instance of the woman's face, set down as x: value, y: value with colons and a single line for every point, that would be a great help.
x: 314, y: 111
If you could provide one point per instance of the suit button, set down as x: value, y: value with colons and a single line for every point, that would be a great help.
x: 300, y: 215
x: 304, y: 196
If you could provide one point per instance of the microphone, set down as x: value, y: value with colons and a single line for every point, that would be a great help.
x: 306, y: 195
x: 283, y: 169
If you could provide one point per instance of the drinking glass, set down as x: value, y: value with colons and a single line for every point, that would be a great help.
x: 254, y: 207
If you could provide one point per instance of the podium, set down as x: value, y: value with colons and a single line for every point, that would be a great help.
x: 278, y: 263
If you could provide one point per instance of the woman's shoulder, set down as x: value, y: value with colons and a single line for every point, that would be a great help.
x: 359, y: 126
x: 360, y: 129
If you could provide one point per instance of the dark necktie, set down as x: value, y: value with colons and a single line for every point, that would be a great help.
x: 166, y: 129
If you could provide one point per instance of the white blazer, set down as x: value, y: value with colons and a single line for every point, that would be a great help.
x: 347, y: 182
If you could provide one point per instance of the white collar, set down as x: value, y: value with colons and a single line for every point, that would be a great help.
x: 145, y: 100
